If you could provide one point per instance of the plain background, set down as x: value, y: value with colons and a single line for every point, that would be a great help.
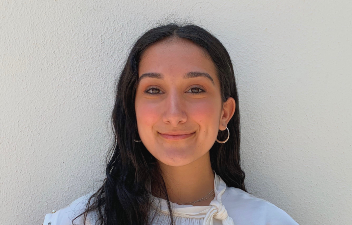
x: 60, y: 60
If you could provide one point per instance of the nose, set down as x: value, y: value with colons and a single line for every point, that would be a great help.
x: 174, y: 111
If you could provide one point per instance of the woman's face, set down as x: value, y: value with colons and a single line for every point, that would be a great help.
x: 178, y: 102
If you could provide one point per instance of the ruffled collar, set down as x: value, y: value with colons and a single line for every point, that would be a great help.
x: 206, y: 213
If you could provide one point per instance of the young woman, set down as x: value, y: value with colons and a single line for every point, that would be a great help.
x: 176, y: 158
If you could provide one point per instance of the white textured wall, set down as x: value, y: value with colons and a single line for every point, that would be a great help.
x: 59, y: 61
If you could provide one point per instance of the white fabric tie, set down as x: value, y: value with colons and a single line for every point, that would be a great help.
x: 218, y: 210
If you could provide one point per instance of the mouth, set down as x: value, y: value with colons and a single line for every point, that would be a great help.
x: 176, y: 137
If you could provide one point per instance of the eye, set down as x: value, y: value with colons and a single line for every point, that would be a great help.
x: 153, y: 91
x: 196, y: 90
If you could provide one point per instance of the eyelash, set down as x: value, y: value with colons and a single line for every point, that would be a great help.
x: 154, y: 88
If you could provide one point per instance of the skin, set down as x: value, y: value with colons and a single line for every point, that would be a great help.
x: 178, y: 117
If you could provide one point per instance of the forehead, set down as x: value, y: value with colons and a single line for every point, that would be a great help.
x: 180, y: 43
x: 176, y: 56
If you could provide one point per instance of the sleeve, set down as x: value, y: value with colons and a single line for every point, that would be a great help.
x: 277, y: 216
x: 246, y: 209
x: 58, y: 218
x: 66, y: 215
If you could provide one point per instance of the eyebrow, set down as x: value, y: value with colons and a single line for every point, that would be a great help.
x: 187, y: 75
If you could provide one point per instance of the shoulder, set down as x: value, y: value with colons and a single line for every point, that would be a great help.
x: 66, y: 215
x: 245, y: 208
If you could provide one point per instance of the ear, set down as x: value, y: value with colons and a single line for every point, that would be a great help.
x: 228, y: 109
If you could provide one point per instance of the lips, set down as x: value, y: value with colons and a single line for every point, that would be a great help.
x: 176, y: 136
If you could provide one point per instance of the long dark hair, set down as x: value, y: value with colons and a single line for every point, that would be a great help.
x: 124, y: 197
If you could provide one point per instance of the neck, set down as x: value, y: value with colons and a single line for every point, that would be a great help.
x: 189, y: 183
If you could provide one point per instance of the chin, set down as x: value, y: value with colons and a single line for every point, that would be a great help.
x: 176, y: 160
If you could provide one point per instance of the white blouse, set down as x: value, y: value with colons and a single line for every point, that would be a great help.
x: 231, y: 206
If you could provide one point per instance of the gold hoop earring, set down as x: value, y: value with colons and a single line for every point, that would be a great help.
x: 228, y: 136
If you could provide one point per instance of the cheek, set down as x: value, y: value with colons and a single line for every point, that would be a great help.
x: 207, y: 115
x: 147, y: 114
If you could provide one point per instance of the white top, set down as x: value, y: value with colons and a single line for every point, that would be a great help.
x: 231, y: 206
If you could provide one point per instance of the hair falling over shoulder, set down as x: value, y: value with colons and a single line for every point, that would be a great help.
x: 124, y: 197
